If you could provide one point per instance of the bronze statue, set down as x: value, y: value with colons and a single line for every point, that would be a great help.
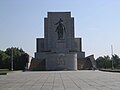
x: 60, y: 29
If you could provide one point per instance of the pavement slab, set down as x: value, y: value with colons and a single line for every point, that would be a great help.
x: 60, y: 80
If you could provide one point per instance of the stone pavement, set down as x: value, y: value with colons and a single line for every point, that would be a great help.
x: 60, y: 80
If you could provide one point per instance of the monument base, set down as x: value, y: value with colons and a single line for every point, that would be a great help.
x: 57, y: 61
x: 61, y: 61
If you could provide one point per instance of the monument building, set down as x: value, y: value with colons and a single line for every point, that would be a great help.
x: 59, y: 49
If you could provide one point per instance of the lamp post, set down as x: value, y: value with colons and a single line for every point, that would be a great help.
x: 112, y: 56
x: 12, y: 58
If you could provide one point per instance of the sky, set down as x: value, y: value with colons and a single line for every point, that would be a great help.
x: 97, y: 22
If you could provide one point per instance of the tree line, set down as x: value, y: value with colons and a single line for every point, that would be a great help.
x: 20, y: 58
x: 107, y: 62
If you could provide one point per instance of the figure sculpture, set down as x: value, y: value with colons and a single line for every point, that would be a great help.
x: 60, y: 29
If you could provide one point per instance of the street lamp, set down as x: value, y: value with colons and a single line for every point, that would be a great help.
x: 112, y: 56
x: 12, y: 58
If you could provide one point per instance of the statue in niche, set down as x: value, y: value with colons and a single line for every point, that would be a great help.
x: 60, y: 29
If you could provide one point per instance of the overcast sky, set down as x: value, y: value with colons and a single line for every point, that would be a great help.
x: 96, y: 21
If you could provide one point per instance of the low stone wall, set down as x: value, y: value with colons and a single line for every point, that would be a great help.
x: 87, y: 63
x: 37, y: 65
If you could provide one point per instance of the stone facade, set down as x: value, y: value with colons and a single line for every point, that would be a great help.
x: 59, y: 49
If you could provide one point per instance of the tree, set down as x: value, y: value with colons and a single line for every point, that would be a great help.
x: 107, y: 62
x: 21, y: 62
x: 103, y: 62
x: 4, y: 60
x: 20, y: 58
x: 116, y: 60
x: 100, y: 62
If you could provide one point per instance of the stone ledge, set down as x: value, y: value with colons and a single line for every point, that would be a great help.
x: 3, y: 73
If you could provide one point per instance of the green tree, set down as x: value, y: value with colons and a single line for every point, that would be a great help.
x: 107, y: 62
x: 4, y: 60
x: 103, y: 62
x: 20, y: 58
x: 116, y: 60
x: 100, y: 62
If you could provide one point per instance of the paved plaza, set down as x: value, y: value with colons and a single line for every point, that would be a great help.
x: 60, y: 80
